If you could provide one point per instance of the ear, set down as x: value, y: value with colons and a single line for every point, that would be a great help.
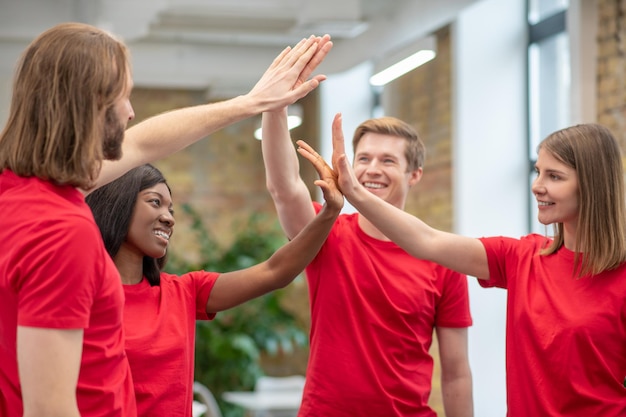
x: 415, y: 176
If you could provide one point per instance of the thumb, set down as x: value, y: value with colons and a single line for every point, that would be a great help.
x: 305, y: 88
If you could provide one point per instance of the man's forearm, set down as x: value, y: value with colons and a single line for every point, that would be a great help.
x: 289, y: 193
x: 166, y: 133
x: 282, y: 168
x: 457, y: 397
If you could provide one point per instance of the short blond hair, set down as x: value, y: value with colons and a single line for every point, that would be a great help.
x: 415, y: 151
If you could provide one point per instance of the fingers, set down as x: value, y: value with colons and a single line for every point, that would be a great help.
x: 279, y: 59
x: 288, y: 57
x: 332, y: 195
x: 299, y: 62
x: 339, y: 146
x: 323, y: 170
x: 301, y: 54
x: 310, y: 153
x: 304, y: 89
x: 346, y: 181
x: 328, y: 181
x: 324, y: 45
x: 313, y: 157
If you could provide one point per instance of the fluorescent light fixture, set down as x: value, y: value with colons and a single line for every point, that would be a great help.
x: 403, y: 61
x: 294, y: 119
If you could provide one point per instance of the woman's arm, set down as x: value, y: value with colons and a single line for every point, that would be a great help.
x: 462, y: 254
x: 234, y: 288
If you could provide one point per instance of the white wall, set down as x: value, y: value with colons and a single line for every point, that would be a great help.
x: 347, y: 93
x: 490, y: 167
x: 8, y: 63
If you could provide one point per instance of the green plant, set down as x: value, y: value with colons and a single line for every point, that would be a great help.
x: 228, y: 348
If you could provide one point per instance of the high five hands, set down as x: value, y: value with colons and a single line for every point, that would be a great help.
x: 328, y: 179
x: 287, y: 78
x: 340, y: 176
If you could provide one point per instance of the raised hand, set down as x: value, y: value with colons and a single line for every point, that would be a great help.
x: 341, y: 172
x: 328, y: 178
x: 339, y: 146
x: 286, y: 79
x: 324, y: 45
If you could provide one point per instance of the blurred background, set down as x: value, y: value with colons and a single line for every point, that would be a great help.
x: 501, y: 75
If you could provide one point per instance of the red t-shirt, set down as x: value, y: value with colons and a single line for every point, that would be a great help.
x: 373, y: 311
x: 160, y: 327
x: 55, y: 273
x: 565, y: 336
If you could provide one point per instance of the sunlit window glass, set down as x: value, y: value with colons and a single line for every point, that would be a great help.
x: 541, y: 9
x: 549, y: 83
x: 549, y: 88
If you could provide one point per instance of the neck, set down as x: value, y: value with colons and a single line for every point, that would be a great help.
x: 369, y: 229
x: 569, y: 235
x: 130, y: 267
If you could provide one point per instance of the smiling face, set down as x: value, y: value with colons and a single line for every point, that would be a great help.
x: 381, y: 167
x: 556, y: 190
x: 152, y: 223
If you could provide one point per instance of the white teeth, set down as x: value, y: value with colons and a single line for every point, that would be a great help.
x: 162, y: 234
x: 373, y: 185
x: 544, y: 203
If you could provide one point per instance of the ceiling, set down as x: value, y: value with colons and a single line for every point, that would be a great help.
x: 222, y: 46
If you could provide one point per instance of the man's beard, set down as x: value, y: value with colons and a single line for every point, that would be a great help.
x: 113, y: 136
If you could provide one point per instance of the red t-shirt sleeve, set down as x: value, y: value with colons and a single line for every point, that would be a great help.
x: 453, y: 310
x: 204, y: 282
x: 58, y: 275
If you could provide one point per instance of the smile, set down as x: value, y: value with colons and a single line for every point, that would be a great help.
x: 374, y: 185
x: 162, y: 234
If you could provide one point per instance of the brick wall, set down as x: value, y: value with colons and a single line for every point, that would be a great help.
x: 611, y: 77
x: 422, y: 98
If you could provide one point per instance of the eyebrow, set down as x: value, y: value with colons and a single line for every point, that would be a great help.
x: 384, y: 155
x: 148, y: 192
x: 551, y: 170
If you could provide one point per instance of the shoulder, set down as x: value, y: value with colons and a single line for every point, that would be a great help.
x: 191, y: 278
x: 531, y: 242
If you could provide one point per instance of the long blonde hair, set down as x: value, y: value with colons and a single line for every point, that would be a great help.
x: 592, y: 151
x: 65, y: 81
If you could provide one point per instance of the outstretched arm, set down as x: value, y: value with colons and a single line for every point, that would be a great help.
x: 234, y: 288
x: 290, y: 195
x: 283, y: 83
x: 463, y: 254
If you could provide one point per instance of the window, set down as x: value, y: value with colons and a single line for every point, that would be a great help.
x: 549, y: 80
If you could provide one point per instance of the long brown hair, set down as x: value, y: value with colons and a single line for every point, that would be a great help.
x: 592, y: 151
x: 65, y: 81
